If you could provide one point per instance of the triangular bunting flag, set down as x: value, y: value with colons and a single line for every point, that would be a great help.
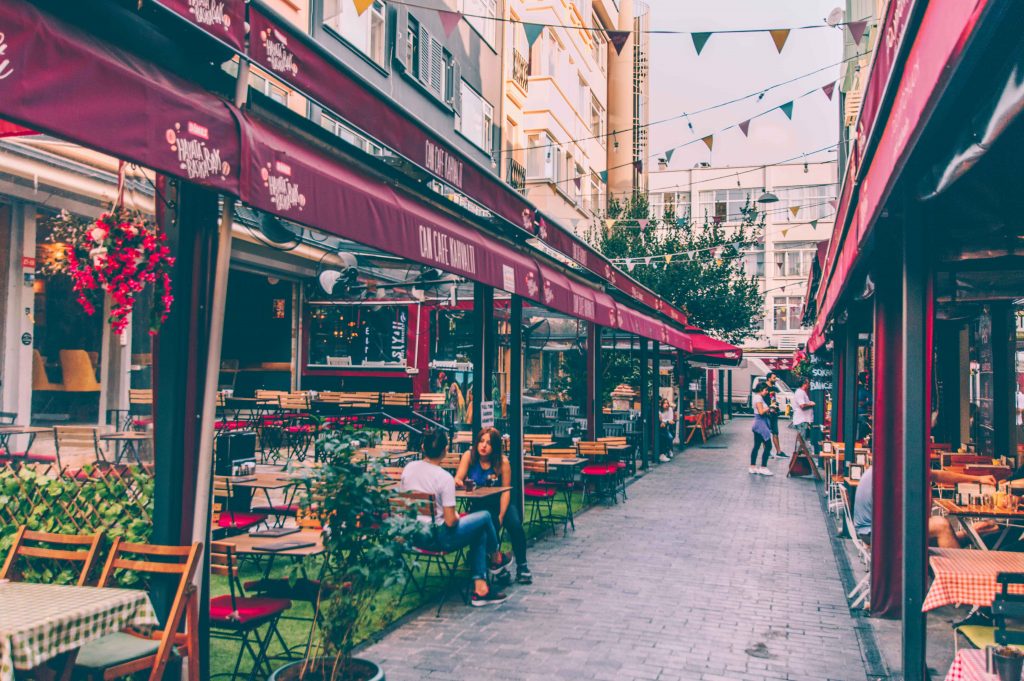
x: 745, y: 128
x: 829, y: 89
x: 833, y: 203
x: 609, y: 223
x: 814, y: 224
x: 604, y: 176
x: 794, y: 210
x: 362, y: 6
x: 639, y: 165
x: 449, y: 20
x: 647, y: 260
x: 643, y: 223
x: 785, y: 232
x: 700, y: 40
x: 630, y: 265
x: 779, y: 37
x: 709, y: 141
x: 668, y: 155
x: 578, y: 181
x: 857, y: 29
x: 680, y: 222
x: 618, y: 39
x: 668, y: 258
x: 787, y: 109
x: 533, y: 32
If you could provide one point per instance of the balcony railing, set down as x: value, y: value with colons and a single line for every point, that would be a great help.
x: 520, y: 70
x: 515, y: 175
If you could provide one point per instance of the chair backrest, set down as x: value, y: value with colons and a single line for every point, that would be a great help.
x: 432, y: 399
x: 76, y: 436
x: 332, y: 396
x: 40, y: 381
x: 614, y: 429
x: 396, y: 399
x: 592, y: 449
x: 298, y: 402
x: 862, y: 548
x: 420, y: 503
x: 224, y: 563
x: 7, y: 418
x: 1005, y: 606
x: 535, y: 464
x: 451, y: 461
x: 274, y: 395
x: 140, y: 396
x: 392, y: 472
x: 34, y: 546
x: 79, y: 373
x: 538, y: 438
x: 614, y: 441
x: 463, y: 437
x: 559, y: 453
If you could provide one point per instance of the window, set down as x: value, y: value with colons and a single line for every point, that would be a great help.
x: 482, y: 15
x: 726, y: 205
x: 412, y: 46
x: 787, y: 310
x: 811, y: 201
x: 477, y: 118
x: 543, y: 158
x: 349, y: 135
x: 597, y: 120
x: 554, y: 54
x: 753, y: 263
x: 582, y: 96
x: 794, y: 259
x: 367, y: 33
x: 599, y: 46
x: 358, y: 335
x: 677, y: 202
x: 596, y: 194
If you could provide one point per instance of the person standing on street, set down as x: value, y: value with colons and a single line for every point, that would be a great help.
x: 803, y: 411
x: 667, y: 424
x: 762, y: 433
x: 773, y: 412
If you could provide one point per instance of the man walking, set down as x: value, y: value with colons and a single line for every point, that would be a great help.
x: 773, y: 412
x: 803, y: 412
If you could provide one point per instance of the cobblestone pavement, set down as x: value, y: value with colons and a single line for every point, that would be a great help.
x: 707, y: 573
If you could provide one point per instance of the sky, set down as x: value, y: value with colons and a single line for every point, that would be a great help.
x: 734, y: 65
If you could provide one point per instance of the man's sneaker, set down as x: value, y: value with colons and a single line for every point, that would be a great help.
x: 502, y: 563
x: 763, y: 470
x: 490, y: 598
x: 524, y: 576
x: 664, y: 458
x: 782, y: 455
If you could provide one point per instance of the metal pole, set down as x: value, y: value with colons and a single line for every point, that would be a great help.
x: 728, y: 404
x: 644, y: 406
x: 515, y: 399
x: 1004, y: 380
x: 849, y: 395
x: 916, y: 490
x: 655, y: 384
x: 837, y: 374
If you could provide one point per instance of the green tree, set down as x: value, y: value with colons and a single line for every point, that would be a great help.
x: 705, y: 276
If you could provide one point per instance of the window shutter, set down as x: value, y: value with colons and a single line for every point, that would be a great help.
x: 401, y: 39
x: 436, y: 65
x: 424, y: 74
x: 456, y: 87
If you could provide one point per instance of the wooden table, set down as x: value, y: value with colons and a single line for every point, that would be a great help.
x: 249, y: 545
x: 963, y: 514
x: 127, y: 442
x: 39, y: 622
x: 480, y: 492
x: 7, y: 432
x: 273, y: 481
x: 968, y: 577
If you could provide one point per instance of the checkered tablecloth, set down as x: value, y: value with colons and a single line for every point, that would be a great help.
x: 40, y: 621
x: 969, y: 665
x: 968, y: 577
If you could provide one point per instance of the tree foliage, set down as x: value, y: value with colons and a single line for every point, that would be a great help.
x: 705, y: 276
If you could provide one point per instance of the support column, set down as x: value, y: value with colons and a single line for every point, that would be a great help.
x: 654, y: 425
x: 644, y: 406
x: 1004, y: 379
x: 19, y: 324
x: 728, y: 404
x: 593, y: 380
x: 515, y: 399
x: 483, y: 357
x: 836, y: 427
x: 849, y: 394
x: 916, y: 411
x: 947, y: 367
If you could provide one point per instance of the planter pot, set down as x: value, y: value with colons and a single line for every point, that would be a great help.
x: 1007, y: 667
x: 360, y: 670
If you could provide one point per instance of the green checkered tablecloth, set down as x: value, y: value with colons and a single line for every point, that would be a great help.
x: 40, y: 621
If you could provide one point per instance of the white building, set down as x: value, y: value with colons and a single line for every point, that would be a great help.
x: 802, y: 217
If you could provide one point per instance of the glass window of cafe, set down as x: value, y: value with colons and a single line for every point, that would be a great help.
x: 554, y: 374
x: 353, y: 335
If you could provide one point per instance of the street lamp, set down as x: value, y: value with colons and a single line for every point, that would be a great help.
x: 768, y: 197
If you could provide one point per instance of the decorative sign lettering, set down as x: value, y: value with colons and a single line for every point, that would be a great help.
x: 284, y: 194
x: 447, y: 251
x: 399, y: 328
x: 583, y: 307
x: 579, y: 253
x: 549, y: 293
x: 198, y: 158
x: 821, y: 374
x: 443, y: 163
x: 28, y: 263
x: 508, y: 278
x: 531, y: 285
x: 209, y: 13
x: 487, y: 414
x: 279, y: 57
x: 5, y: 63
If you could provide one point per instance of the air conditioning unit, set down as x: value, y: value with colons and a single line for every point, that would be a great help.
x: 853, y: 100
x: 788, y: 342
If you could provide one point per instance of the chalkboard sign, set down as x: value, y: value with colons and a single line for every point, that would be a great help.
x: 821, y: 373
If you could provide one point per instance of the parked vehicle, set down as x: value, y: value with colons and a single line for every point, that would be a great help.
x: 751, y: 372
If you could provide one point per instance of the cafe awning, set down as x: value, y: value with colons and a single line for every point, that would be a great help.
x: 712, y: 351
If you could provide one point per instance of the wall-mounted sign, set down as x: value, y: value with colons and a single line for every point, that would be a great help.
x: 26, y: 339
x: 487, y: 414
x: 28, y: 263
x: 279, y: 307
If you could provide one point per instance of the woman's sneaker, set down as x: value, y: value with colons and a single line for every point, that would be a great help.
x: 763, y: 470
x: 490, y: 598
x: 664, y: 458
x: 502, y: 563
x: 523, y: 575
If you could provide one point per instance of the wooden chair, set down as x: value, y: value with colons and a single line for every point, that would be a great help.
x: 695, y: 423
x: 24, y: 546
x: 239, y: 617
x: 82, y: 437
x: 140, y: 408
x: 229, y: 519
x: 426, y: 554
x: 600, y: 474
x: 630, y: 456
x: 451, y: 461
x: 127, y: 653
x: 533, y: 442
x: 861, y: 593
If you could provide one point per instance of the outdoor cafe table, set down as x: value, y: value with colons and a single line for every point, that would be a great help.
x: 38, y: 622
x: 7, y: 432
x: 968, y: 577
x: 127, y: 442
x: 964, y: 515
x: 248, y: 545
x: 273, y: 481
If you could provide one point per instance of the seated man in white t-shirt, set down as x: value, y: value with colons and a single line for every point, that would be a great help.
x: 450, y: 532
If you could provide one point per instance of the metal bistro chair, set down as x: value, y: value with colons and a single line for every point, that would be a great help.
x: 600, y: 474
x: 539, y: 496
x: 427, y: 555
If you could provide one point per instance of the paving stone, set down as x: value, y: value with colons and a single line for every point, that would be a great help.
x: 706, y: 572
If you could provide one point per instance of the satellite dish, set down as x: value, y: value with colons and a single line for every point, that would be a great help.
x: 836, y: 17
x: 274, y: 231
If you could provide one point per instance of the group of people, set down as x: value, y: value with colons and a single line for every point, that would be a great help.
x: 482, y: 466
x: 766, y: 420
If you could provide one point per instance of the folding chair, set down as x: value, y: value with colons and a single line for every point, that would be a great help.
x: 128, y: 652
x: 695, y: 424
x: 228, y: 518
x: 447, y: 562
x: 33, y: 548
x: 861, y: 593
x: 239, y: 617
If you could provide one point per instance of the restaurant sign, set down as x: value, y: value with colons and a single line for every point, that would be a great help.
x: 821, y: 373
x: 223, y: 19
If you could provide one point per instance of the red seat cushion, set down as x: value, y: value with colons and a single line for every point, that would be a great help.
x: 230, y: 425
x: 249, y: 609
x: 620, y: 465
x: 142, y: 421
x: 236, y: 520
x: 306, y: 428
x: 598, y: 469
x: 429, y: 552
x: 273, y: 421
x: 41, y: 458
x: 277, y: 509
x: 534, y: 492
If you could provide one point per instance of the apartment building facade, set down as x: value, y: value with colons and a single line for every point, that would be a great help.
x: 781, y: 263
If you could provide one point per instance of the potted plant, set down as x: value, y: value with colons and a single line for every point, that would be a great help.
x: 364, y: 552
x: 1007, y: 663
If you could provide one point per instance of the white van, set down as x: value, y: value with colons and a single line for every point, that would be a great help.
x: 751, y: 372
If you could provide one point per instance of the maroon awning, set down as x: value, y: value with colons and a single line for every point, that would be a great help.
x: 707, y: 349
x: 57, y: 80
x: 223, y: 19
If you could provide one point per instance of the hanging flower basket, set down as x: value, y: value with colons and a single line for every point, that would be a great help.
x: 120, y: 253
